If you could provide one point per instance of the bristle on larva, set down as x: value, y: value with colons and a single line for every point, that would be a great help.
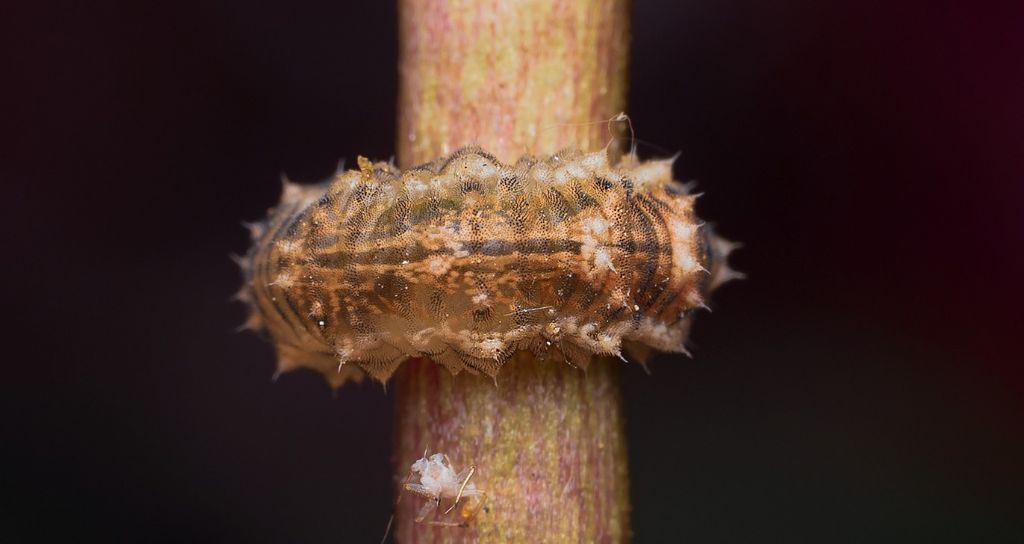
x: 466, y: 261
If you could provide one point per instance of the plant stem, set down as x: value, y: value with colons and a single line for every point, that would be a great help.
x: 547, y: 440
x: 514, y: 76
x: 548, y: 443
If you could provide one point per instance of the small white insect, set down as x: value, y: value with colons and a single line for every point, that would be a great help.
x: 438, y: 481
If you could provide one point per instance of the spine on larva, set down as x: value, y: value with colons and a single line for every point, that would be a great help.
x: 466, y: 261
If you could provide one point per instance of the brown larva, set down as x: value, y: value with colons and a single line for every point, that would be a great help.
x: 467, y: 260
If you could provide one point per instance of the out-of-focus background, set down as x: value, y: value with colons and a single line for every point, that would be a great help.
x: 864, y: 385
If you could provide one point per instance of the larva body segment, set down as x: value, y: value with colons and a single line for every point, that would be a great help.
x: 467, y: 260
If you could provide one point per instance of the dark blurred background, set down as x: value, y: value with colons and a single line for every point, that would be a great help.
x: 864, y: 385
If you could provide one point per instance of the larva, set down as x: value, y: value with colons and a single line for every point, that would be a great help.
x: 466, y: 261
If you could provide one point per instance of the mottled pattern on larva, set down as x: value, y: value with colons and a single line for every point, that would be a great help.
x: 466, y: 261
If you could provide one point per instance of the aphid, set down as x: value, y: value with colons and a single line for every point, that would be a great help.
x: 467, y: 260
x: 438, y: 482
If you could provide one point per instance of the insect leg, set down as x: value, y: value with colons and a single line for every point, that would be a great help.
x: 405, y: 487
x: 462, y: 488
x: 481, y: 501
x: 446, y: 523
x: 426, y: 510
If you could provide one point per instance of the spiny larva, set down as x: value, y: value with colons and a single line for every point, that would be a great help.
x: 466, y: 261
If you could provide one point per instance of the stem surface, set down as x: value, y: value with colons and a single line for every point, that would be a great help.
x: 548, y: 444
x: 547, y: 440
x: 513, y: 76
